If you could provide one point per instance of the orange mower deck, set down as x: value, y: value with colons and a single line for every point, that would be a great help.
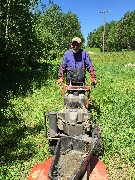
x: 97, y: 170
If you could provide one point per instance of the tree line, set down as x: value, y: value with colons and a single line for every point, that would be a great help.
x: 28, y: 33
x: 119, y: 35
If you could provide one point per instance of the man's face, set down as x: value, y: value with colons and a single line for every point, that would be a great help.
x: 75, y: 45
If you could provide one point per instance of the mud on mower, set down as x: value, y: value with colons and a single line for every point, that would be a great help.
x: 74, y: 119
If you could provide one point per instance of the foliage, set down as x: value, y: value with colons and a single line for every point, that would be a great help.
x: 22, y: 138
x: 119, y: 35
x: 23, y: 141
x: 29, y: 34
x: 56, y: 29
x: 19, y: 44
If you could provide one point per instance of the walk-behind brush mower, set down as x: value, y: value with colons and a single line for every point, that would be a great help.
x: 76, y: 142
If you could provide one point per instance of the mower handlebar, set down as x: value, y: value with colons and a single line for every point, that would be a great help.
x: 75, y: 88
x: 80, y: 88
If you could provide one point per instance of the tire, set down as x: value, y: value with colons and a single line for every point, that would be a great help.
x: 96, y: 133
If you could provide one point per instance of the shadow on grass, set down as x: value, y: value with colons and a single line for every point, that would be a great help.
x: 20, y: 82
x: 13, y: 130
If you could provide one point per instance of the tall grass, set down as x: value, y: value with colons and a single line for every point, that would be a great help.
x: 23, y: 141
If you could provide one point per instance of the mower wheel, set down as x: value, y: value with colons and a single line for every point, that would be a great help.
x: 96, y: 133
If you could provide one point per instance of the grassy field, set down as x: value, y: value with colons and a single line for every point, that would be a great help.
x: 26, y: 97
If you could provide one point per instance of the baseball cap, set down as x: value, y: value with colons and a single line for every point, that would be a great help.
x: 77, y: 39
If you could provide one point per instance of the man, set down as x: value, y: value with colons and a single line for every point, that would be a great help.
x: 74, y: 64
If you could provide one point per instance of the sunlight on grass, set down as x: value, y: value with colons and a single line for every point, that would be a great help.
x: 24, y: 143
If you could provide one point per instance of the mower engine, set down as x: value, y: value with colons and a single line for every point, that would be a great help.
x: 73, y: 120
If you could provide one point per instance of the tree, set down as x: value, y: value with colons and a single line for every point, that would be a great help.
x: 19, y: 44
x: 119, y: 34
x: 56, y: 29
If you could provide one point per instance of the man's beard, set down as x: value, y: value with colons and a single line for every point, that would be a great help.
x: 75, y: 50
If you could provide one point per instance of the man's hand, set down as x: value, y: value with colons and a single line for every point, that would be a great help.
x: 60, y: 81
x: 93, y: 82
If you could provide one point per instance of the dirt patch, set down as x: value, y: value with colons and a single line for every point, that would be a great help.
x: 68, y: 164
x: 91, y: 52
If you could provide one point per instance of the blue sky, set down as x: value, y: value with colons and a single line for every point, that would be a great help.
x: 88, y: 11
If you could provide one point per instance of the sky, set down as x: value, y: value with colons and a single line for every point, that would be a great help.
x: 88, y: 14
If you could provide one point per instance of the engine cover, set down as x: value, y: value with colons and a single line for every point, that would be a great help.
x: 73, y: 119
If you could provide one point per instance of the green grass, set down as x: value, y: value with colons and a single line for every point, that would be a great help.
x: 115, y: 93
x: 23, y: 141
x: 95, y: 50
